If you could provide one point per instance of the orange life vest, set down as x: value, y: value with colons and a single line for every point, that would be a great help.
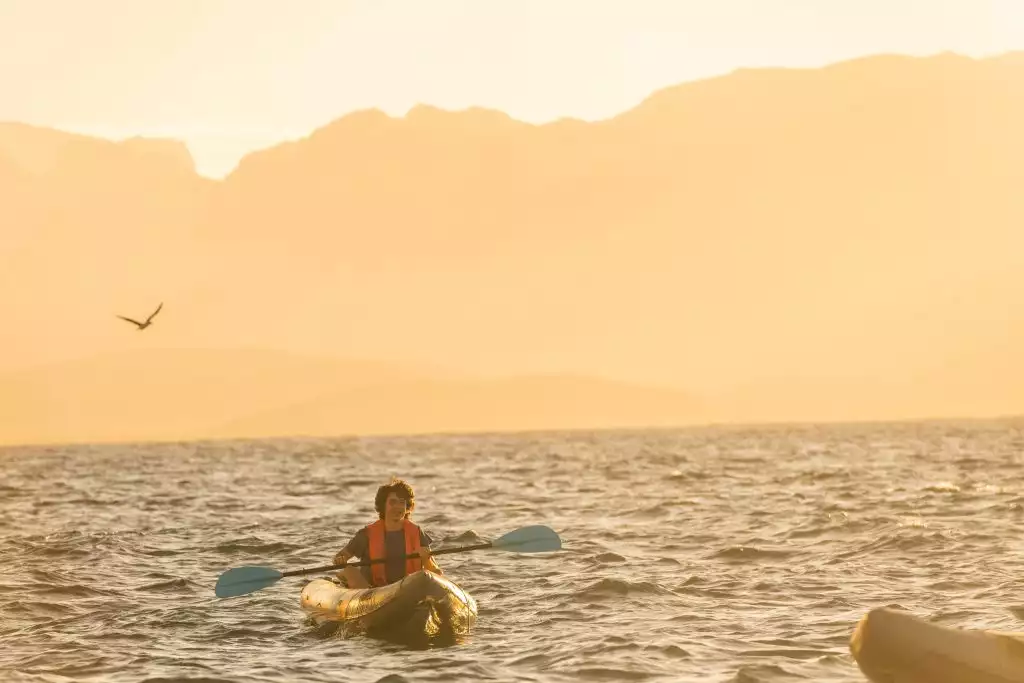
x: 378, y: 548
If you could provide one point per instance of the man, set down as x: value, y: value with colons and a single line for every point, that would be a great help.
x: 392, y: 537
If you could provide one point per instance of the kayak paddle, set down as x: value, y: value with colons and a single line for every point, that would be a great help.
x: 528, y: 539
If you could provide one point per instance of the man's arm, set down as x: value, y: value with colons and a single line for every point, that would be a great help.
x: 428, y: 562
x: 354, y: 548
x: 426, y: 559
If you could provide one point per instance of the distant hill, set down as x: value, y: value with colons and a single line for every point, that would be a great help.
x: 854, y: 228
x: 183, y: 394
x: 169, y: 393
x: 475, y: 405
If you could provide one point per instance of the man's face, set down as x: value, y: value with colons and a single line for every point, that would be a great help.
x: 394, y: 508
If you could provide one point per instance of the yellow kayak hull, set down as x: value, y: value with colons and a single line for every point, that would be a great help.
x: 422, y: 608
x: 894, y: 646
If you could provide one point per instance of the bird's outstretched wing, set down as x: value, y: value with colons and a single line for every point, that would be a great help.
x: 153, y: 314
x: 135, y: 322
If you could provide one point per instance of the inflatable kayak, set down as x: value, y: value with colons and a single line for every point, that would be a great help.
x: 894, y: 646
x: 423, y: 608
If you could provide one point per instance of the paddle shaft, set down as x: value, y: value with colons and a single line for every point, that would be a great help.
x: 364, y: 563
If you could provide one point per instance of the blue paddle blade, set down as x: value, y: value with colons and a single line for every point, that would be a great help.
x: 529, y: 539
x: 242, y: 580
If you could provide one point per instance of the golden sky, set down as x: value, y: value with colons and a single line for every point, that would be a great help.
x: 229, y: 76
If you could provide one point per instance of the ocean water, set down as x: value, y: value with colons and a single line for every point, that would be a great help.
x: 714, y: 554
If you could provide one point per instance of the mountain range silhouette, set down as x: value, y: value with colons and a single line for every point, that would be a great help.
x: 841, y: 243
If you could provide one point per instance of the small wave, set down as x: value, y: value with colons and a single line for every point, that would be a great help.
x: 465, y: 538
x: 742, y: 553
x: 168, y: 586
x: 606, y: 558
x: 60, y: 551
x: 75, y: 540
x: 120, y: 635
x: 658, y: 510
x: 187, y: 679
x: 762, y: 673
x: 955, y: 585
x: 239, y: 634
x: 618, y: 587
x: 90, y: 501
x: 673, y: 651
x: 714, y: 593
x: 787, y: 653
x: 159, y: 552
x: 359, y: 483
x: 689, y: 475
x: 253, y: 546
x: 530, y: 660
x: 942, y: 487
x: 40, y: 608
x: 95, y: 666
x: 75, y: 590
x: 562, y: 614
x: 907, y: 538
x: 602, y: 674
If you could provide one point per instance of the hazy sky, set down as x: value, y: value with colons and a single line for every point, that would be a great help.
x: 229, y: 76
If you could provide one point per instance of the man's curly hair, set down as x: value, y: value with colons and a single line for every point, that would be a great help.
x: 399, y: 487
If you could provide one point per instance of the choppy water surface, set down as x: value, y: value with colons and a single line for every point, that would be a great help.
x: 698, y: 555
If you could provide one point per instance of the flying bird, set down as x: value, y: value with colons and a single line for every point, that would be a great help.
x: 149, y: 320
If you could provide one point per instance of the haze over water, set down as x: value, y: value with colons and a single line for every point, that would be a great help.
x: 728, y: 554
